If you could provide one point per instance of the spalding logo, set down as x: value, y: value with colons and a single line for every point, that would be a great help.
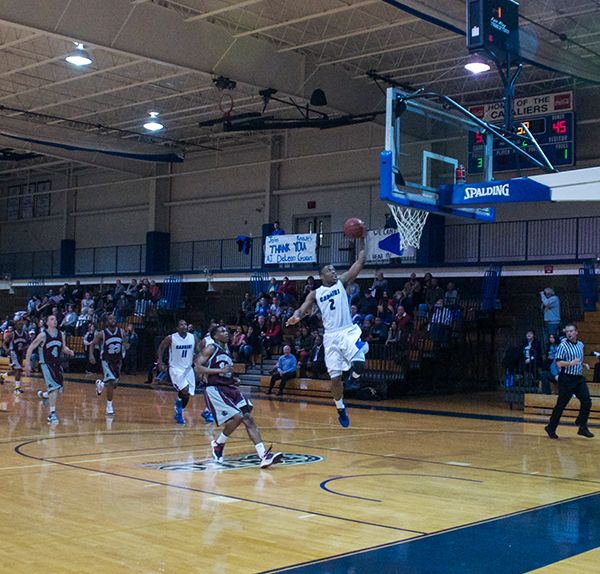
x: 487, y: 191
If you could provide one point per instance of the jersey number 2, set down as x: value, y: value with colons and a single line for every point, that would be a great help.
x: 331, y: 305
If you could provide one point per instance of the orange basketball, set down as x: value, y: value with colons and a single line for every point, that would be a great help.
x: 354, y: 228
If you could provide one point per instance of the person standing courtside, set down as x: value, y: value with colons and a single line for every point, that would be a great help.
x: 51, y: 342
x: 569, y: 359
x: 15, y: 346
x: 183, y: 347
x: 344, y: 348
x: 112, y: 345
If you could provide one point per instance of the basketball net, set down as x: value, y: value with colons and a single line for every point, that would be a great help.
x: 411, y: 223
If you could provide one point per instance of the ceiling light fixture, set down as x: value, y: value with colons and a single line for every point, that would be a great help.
x: 477, y: 65
x: 152, y: 123
x: 318, y: 98
x: 79, y: 56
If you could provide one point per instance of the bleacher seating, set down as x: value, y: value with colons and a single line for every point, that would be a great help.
x: 540, y: 406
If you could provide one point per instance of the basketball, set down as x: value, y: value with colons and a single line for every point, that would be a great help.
x: 354, y: 228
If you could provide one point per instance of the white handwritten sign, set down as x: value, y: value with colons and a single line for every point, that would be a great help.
x: 377, y: 240
x: 291, y: 248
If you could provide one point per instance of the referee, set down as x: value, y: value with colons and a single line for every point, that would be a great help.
x: 569, y: 359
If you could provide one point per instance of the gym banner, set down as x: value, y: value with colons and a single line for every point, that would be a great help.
x: 492, y: 192
x: 300, y: 248
x: 381, y: 245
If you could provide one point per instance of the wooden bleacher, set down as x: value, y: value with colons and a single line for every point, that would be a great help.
x: 300, y: 386
x: 538, y: 405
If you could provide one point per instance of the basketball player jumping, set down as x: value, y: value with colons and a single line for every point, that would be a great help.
x: 344, y: 349
x: 51, y: 342
x: 183, y: 347
x: 112, y: 344
x: 228, y: 405
x: 15, y: 346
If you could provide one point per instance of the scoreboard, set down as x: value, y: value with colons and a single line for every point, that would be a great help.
x: 555, y: 133
x: 493, y: 26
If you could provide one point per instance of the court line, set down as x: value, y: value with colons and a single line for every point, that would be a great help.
x: 438, y: 462
x: 324, y: 484
x: 436, y: 533
x: 19, y: 450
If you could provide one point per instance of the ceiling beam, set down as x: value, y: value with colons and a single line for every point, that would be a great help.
x: 149, y: 31
x: 218, y: 11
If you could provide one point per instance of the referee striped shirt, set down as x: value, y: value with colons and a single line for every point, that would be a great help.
x: 568, y: 351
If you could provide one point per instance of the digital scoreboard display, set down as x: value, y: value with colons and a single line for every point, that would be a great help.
x: 493, y: 25
x: 555, y: 133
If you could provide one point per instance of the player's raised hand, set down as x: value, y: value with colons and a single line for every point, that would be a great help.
x: 69, y: 352
x: 293, y: 320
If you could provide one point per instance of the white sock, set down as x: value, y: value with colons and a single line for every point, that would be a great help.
x: 339, y: 404
x: 222, y: 439
x: 52, y: 410
x: 109, y: 404
x: 260, y: 449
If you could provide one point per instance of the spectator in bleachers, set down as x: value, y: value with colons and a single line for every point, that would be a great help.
x: 433, y: 293
x: 247, y: 310
x: 287, y: 291
x: 154, y: 290
x: 285, y: 370
x: 275, y: 307
x: 451, y: 296
x: 551, y: 310
x: 367, y: 304
x: 272, y: 336
x: 440, y: 324
x: 385, y: 314
x: 132, y: 339
x: 531, y: 357
x: 356, y: 316
x: 366, y: 328
x: 77, y: 292
x: 56, y: 311
x: 303, y: 345
x: 394, y: 334
x: 253, y: 346
x: 549, y: 374
x: 380, y: 284
x: 262, y: 307
x: 273, y: 287
x: 403, y: 319
x: 353, y: 291
x: 69, y: 321
x: 237, y: 342
x: 316, y: 360
x: 132, y: 288
x: 87, y: 302
x: 119, y: 290
x: 88, y: 339
x: 32, y: 305
x: 85, y: 317
x: 43, y: 308
x: 378, y: 332
x: 310, y: 286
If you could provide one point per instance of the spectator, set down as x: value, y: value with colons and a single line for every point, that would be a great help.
x: 287, y: 290
x: 77, y: 292
x: 357, y: 318
x: 88, y: 339
x: 549, y: 374
x: 272, y: 335
x: 275, y: 308
x: 367, y: 305
x: 119, y: 290
x: 273, y: 287
x: 380, y: 284
x: 247, y: 310
x: 366, y: 328
x: 132, y: 340
x: 310, y: 286
x: 32, y: 305
x: 304, y: 344
x: 353, y: 291
x: 551, y: 310
x: 69, y: 321
x: 284, y: 370
x: 316, y: 360
x: 87, y: 302
x: 433, y: 293
x: 262, y: 307
x: 378, y: 332
x: 531, y: 358
x: 132, y: 289
x: 43, y: 308
x: 253, y: 346
x: 237, y: 342
x: 277, y: 230
x: 86, y: 316
x: 385, y: 314
x: 403, y: 319
x: 154, y: 290
x: 394, y: 334
x: 451, y: 297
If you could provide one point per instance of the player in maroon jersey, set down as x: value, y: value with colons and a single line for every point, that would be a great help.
x: 223, y: 397
x: 112, y: 346
x: 15, y: 346
x: 51, y: 343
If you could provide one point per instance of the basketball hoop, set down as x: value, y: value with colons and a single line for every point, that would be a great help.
x: 410, y: 222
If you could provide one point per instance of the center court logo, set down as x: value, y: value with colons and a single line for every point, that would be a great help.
x: 487, y: 191
x: 230, y: 463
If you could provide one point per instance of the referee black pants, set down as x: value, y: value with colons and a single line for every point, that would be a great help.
x: 569, y: 385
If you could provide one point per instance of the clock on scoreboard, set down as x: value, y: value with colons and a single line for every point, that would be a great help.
x: 555, y: 133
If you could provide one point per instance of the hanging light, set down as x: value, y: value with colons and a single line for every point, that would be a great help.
x: 477, y: 65
x: 153, y: 123
x: 79, y: 56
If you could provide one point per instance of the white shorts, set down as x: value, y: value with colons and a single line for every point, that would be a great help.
x: 340, y: 347
x: 182, y: 378
x: 14, y: 361
x: 225, y: 401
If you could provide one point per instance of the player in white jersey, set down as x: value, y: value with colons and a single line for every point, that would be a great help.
x: 344, y: 349
x: 183, y: 347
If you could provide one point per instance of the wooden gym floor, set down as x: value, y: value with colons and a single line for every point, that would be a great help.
x: 446, y: 484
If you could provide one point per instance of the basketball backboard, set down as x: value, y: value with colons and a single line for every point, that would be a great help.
x: 424, y: 145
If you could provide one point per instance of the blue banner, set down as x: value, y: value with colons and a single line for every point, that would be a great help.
x: 491, y: 192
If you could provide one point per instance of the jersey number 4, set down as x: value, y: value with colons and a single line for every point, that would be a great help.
x: 331, y: 305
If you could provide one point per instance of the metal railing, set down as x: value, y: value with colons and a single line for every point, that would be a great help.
x: 552, y: 240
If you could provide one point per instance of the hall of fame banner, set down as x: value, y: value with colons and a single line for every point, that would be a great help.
x: 301, y: 248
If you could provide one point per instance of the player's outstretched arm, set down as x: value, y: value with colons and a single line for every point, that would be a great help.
x: 34, y: 345
x: 352, y: 273
x: 98, y: 340
x: 303, y: 310
x: 166, y: 342
x: 66, y: 350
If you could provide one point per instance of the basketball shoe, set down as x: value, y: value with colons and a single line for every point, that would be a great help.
x: 270, y: 458
x: 179, y: 412
x: 207, y: 416
x: 53, y: 419
x: 343, y: 417
x: 99, y: 386
x: 217, y: 450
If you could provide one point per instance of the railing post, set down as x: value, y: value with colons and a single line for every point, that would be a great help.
x: 140, y: 258
x: 221, y: 256
x: 479, y: 242
x: 193, y: 256
x: 116, y: 259
x: 93, y: 261
x: 527, y: 240
x: 577, y: 239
